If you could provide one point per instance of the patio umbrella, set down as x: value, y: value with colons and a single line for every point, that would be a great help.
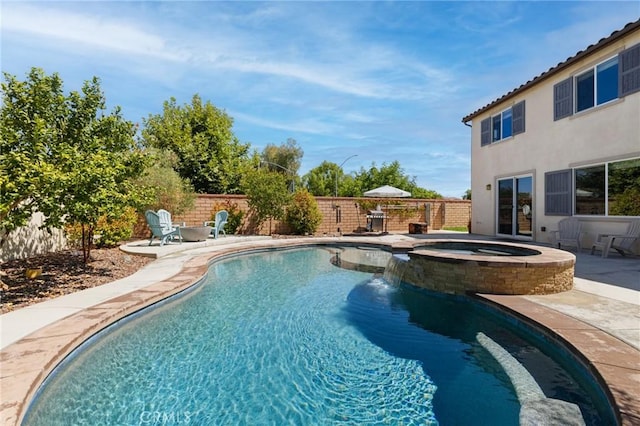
x: 387, y: 191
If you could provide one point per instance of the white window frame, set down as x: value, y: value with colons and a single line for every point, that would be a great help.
x: 593, y: 69
x: 501, y: 115
x: 574, y: 188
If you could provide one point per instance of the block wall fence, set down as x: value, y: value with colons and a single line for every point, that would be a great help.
x: 342, y: 214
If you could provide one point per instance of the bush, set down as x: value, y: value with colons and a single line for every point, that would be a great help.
x: 234, y: 221
x: 303, y: 214
x: 107, y: 233
x: 164, y: 186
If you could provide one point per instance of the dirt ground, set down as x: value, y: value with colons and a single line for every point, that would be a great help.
x: 62, y: 273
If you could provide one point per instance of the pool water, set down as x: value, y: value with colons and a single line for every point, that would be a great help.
x: 285, y: 337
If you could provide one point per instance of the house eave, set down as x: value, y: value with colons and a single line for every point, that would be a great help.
x: 604, y: 42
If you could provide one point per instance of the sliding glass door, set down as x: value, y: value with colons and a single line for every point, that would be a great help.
x: 515, y: 207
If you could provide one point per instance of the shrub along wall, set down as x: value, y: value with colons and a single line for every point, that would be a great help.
x: 344, y: 214
x: 340, y: 215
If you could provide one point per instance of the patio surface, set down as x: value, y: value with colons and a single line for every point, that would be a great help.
x: 599, y: 318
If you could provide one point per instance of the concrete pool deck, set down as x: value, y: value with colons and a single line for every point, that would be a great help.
x: 599, y: 318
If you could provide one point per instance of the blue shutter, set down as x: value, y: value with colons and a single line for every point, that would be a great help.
x: 485, y: 132
x: 629, y: 71
x: 558, y: 192
x: 563, y: 99
x: 518, y: 118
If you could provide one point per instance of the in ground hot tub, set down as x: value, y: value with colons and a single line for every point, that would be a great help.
x: 458, y: 266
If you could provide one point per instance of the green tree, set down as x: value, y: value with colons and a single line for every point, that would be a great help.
x: 285, y: 159
x: 210, y: 156
x: 419, y: 192
x: 288, y: 156
x: 329, y: 179
x: 100, y: 162
x: 32, y: 120
x: 164, y: 187
x: 267, y: 195
x: 320, y: 181
x: 303, y: 213
x: 467, y: 195
x: 64, y: 156
x: 393, y: 175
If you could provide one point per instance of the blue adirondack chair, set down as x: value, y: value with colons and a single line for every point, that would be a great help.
x: 161, y: 230
x: 165, y: 219
x: 217, y: 226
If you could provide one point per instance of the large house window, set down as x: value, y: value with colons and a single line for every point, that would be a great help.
x: 610, y: 189
x: 597, y: 86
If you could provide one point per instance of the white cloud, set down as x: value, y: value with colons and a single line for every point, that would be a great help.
x: 307, y: 125
x: 362, y: 70
x: 387, y: 80
x: 82, y: 29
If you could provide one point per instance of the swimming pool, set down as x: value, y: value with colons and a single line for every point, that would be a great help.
x: 286, y: 337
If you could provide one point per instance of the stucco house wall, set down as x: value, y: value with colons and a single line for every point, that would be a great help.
x: 594, y: 136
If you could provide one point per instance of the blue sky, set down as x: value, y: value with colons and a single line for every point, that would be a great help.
x: 381, y: 80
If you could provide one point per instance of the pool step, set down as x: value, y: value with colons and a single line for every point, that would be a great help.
x: 549, y: 411
x: 536, y: 409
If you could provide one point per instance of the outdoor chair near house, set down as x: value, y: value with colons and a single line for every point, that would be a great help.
x: 622, y: 243
x: 217, y: 226
x: 569, y: 233
x: 160, y: 229
x: 165, y: 219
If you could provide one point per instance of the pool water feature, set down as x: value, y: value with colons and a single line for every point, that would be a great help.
x: 286, y: 337
x: 395, y: 269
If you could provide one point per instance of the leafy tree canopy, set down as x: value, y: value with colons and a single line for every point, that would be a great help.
x: 64, y: 156
x: 283, y: 159
x: 389, y: 174
x: 328, y: 179
x: 164, y: 186
x: 209, y: 154
x: 321, y: 181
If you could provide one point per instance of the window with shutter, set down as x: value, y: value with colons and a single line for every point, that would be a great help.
x: 563, y: 99
x: 518, y: 118
x: 558, y: 188
x: 629, y: 71
x: 485, y: 132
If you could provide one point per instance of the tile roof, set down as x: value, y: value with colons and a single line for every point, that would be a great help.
x: 629, y: 28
